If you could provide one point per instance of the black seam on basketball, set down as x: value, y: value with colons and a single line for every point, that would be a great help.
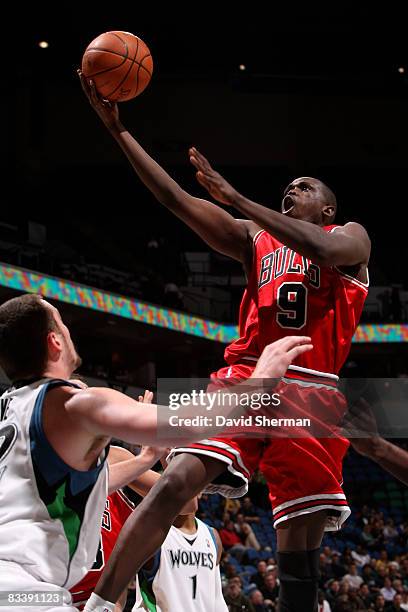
x: 89, y: 76
x: 105, y: 51
x: 127, y: 73
x: 123, y: 42
x: 137, y: 77
x: 144, y: 67
x: 140, y: 65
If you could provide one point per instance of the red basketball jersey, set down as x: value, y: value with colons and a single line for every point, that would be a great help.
x: 287, y: 294
x: 117, y: 510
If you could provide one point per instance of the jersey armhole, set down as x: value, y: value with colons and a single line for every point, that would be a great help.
x: 37, y: 433
x: 149, y: 574
x: 212, y: 532
x: 49, y: 464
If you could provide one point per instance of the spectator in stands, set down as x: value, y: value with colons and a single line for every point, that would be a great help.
x: 326, y: 572
x: 396, y: 582
x: 249, y: 511
x: 380, y: 576
x: 379, y: 604
x: 390, y: 532
x: 396, y: 604
x: 382, y: 562
x: 323, y: 604
x: 356, y: 603
x: 229, y: 536
x: 248, y: 537
x: 239, y: 521
x: 367, y: 537
x: 352, y: 578
x: 344, y: 588
x: 226, y: 517
x: 258, y: 602
x: 332, y: 591
x: 236, y: 600
x: 388, y: 591
x: 342, y: 604
x: 270, y: 587
x: 230, y: 571
x: 368, y: 575
x: 365, y: 595
x: 233, y: 506
x: 231, y: 540
x: 337, y: 567
x: 404, y: 604
x: 327, y: 553
x: 360, y: 556
x: 270, y: 561
x: 258, y: 578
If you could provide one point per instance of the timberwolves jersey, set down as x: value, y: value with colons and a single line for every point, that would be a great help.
x: 50, y: 513
x: 185, y: 576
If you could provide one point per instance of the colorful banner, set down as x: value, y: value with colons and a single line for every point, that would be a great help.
x: 96, y: 299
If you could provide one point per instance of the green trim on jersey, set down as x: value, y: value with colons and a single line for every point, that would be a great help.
x: 147, y: 595
x: 68, y: 517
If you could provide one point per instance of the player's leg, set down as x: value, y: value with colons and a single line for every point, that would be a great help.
x: 304, y: 474
x: 299, y: 540
x: 225, y: 465
x: 146, y: 529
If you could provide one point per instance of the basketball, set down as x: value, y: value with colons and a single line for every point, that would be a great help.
x: 120, y: 64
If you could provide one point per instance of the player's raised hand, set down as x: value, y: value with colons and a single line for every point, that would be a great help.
x: 360, y: 427
x: 277, y: 357
x: 147, y: 398
x: 107, y: 111
x: 153, y: 454
x: 211, y: 180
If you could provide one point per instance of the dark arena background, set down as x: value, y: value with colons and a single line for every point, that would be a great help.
x: 267, y: 93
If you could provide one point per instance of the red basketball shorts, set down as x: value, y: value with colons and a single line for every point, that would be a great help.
x: 304, y: 474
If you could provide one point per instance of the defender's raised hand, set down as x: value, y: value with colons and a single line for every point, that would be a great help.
x: 211, y: 180
x: 277, y: 357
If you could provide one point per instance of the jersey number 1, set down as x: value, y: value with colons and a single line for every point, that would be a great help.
x: 194, y: 579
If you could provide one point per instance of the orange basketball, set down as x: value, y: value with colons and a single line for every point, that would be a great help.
x: 120, y: 65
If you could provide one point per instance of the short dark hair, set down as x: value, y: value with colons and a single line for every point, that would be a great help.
x: 25, y: 323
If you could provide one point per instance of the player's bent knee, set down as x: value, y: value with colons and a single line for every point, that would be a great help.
x: 174, y: 489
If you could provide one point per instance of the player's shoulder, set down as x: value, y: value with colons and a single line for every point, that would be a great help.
x: 352, y: 228
x: 62, y: 393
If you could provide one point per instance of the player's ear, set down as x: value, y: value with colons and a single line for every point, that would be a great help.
x: 54, y: 344
x: 329, y: 211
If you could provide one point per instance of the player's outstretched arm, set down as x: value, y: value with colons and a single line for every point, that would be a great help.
x: 347, y: 246
x: 360, y: 421
x: 214, y: 225
x: 124, y: 467
x: 108, y: 413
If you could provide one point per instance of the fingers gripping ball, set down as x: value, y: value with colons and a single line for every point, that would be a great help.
x: 120, y: 65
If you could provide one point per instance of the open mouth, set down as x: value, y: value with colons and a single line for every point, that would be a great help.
x: 287, y: 204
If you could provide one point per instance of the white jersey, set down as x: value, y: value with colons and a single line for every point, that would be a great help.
x: 185, y: 576
x: 50, y: 513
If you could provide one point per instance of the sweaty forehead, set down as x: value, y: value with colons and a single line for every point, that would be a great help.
x: 307, y: 179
